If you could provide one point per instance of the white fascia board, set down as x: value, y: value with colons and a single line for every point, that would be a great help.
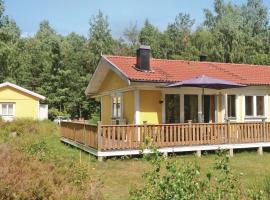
x: 104, y: 62
x: 23, y: 90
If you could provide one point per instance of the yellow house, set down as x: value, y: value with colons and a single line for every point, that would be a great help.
x: 18, y: 102
x: 134, y: 90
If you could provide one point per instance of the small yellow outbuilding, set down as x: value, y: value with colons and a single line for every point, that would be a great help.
x: 18, y: 102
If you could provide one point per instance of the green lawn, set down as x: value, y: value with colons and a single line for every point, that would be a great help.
x: 119, y: 175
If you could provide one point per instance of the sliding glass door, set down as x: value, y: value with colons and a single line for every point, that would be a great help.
x: 191, y: 108
x: 209, y: 108
x: 172, y: 108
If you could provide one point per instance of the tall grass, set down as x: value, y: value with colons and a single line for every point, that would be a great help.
x: 32, y: 168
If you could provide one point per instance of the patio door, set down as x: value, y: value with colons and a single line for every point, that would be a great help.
x: 191, y: 108
x: 209, y: 108
x: 172, y: 108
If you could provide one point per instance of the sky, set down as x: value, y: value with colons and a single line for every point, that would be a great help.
x: 67, y: 16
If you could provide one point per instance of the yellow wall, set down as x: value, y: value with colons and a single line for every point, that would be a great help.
x: 128, y: 106
x: 26, y: 106
x: 150, y: 108
x: 111, y: 82
x: 106, y: 109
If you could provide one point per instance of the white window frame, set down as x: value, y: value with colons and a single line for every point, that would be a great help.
x: 117, y: 95
x: 254, y: 107
x: 13, y: 109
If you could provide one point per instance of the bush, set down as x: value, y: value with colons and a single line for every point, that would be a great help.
x: 27, y: 126
x: 167, y: 180
x: 31, y: 169
x: 26, y: 178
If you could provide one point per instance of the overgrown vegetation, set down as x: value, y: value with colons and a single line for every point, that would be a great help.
x: 167, y: 180
x: 31, y: 168
x: 35, y: 165
x: 60, y: 67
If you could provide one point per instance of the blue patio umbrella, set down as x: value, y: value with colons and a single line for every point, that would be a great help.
x: 206, y: 82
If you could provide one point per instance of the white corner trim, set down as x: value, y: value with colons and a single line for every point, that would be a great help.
x: 38, y: 111
x: 238, y: 112
x: 22, y: 89
x: 243, y: 108
x: 266, y: 108
x: 137, y: 106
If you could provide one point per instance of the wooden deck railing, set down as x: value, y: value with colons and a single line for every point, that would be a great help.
x: 79, y: 132
x: 118, y: 137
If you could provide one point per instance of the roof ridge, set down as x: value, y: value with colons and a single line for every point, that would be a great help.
x: 194, y: 61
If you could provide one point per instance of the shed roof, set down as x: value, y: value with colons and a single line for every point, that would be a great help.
x: 22, y: 89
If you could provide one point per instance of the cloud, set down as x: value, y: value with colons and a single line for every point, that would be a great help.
x: 27, y: 34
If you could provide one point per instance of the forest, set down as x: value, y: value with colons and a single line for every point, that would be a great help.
x: 60, y: 67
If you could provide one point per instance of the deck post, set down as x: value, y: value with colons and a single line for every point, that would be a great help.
x: 260, y: 150
x: 99, y: 142
x: 199, y: 153
x: 165, y: 154
x: 231, y: 152
x: 99, y: 135
x: 190, y: 131
x: 145, y: 132
x: 229, y: 131
x: 84, y: 134
x: 264, y: 131
x: 100, y: 158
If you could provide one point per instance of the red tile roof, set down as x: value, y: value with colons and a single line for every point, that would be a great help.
x: 178, y: 70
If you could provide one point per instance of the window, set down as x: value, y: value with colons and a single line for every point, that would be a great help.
x: 172, y: 107
x: 260, y: 105
x: 7, y: 109
x: 249, y: 105
x: 231, y: 106
x: 254, y: 106
x: 116, y: 107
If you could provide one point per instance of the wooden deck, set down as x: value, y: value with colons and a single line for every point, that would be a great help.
x: 117, y: 140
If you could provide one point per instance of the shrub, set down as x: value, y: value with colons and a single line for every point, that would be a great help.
x: 27, y: 126
x: 168, y: 180
x: 30, y: 167
x: 26, y: 178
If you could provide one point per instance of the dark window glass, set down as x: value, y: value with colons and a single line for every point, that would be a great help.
x: 191, y: 107
x: 249, y: 105
x: 231, y: 106
x: 260, y: 105
x: 172, y: 107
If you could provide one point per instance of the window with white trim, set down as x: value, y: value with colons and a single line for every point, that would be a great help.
x: 7, y: 109
x: 254, y: 106
x: 116, y: 106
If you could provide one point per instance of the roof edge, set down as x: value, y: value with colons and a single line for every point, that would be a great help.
x: 22, y: 89
x: 113, y: 67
